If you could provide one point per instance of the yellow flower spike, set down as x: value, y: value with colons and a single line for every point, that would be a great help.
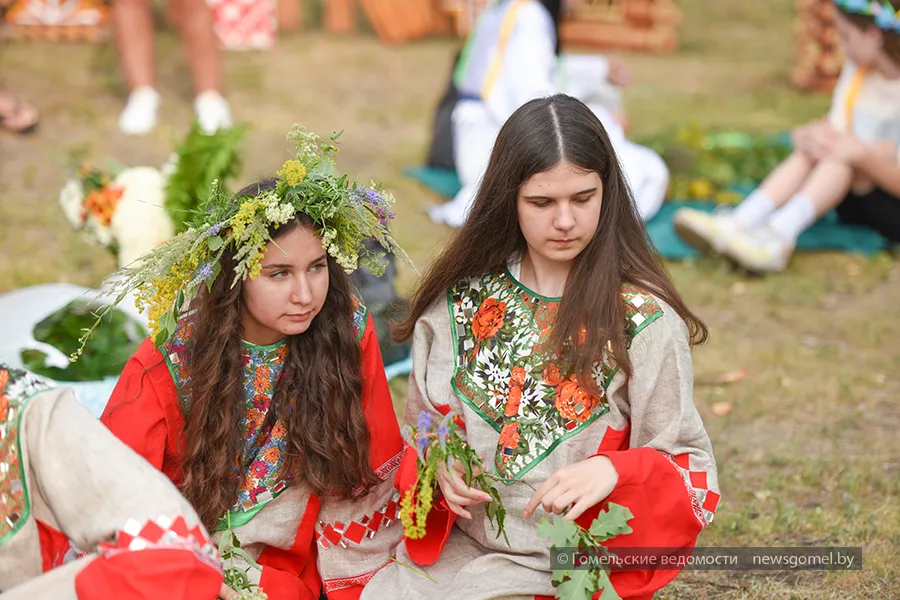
x: 292, y: 172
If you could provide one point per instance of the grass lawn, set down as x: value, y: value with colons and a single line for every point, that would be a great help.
x: 805, y: 454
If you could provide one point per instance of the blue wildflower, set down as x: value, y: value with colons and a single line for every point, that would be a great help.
x: 443, y: 432
x: 425, y: 421
x: 421, y: 446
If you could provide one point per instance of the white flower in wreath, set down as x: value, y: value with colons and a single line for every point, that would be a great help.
x: 140, y: 222
x: 71, y: 198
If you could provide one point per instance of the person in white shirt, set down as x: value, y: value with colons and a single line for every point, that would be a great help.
x: 513, y: 56
x: 847, y: 160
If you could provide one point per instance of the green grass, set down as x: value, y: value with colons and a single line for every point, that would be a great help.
x: 808, y: 454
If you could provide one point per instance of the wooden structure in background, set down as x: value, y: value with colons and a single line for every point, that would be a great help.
x: 340, y: 16
x: 633, y: 25
x: 638, y: 25
x: 400, y: 21
x: 57, y: 20
x: 818, y: 49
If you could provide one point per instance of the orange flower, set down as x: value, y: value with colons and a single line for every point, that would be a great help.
x: 551, y: 375
x: 569, y: 396
x: 271, y: 455
x: 102, y: 203
x: 255, y: 417
x: 512, y: 405
x: 488, y: 318
x: 262, y: 373
x: 260, y: 385
x: 518, y: 377
x: 509, y: 435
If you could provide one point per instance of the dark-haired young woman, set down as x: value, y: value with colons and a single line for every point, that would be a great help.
x: 269, y: 406
x: 549, y: 326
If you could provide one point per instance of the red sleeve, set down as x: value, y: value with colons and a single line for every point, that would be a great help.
x: 143, y: 410
x: 160, y: 560
x: 385, y: 442
x: 651, y: 486
x: 292, y: 574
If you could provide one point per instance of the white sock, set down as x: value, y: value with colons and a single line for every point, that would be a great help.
x: 754, y: 210
x: 139, y: 115
x: 212, y: 111
x: 793, y: 218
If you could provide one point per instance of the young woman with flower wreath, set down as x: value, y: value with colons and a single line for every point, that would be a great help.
x: 551, y: 331
x: 262, y: 393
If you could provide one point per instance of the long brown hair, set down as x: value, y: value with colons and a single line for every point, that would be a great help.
x: 534, y: 139
x: 318, y: 398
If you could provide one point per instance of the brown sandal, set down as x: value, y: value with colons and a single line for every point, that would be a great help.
x: 17, y: 115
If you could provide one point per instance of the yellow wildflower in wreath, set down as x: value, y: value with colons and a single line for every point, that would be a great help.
x: 344, y: 214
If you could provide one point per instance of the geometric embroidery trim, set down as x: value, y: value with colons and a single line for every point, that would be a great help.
x: 162, y: 533
x: 695, y: 484
x: 341, y: 534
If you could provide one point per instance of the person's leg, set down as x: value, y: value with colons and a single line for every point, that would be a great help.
x: 775, y: 191
x: 133, y: 25
x: 205, y: 59
x: 711, y: 232
x: 769, y: 248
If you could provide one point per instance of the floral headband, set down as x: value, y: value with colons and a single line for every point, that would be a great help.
x: 882, y: 11
x: 344, y: 214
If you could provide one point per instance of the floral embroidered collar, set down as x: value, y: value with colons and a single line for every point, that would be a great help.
x: 533, y: 401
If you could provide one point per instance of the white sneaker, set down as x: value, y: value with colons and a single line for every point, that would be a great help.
x: 212, y: 112
x: 139, y: 115
x: 759, y: 251
x: 707, y: 232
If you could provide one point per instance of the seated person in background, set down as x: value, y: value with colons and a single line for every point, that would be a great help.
x: 849, y: 160
x: 513, y: 56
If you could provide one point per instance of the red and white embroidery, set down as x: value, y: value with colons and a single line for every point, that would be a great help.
x: 703, y: 500
x: 332, y: 585
x: 162, y: 533
x: 390, y: 466
x: 340, y: 534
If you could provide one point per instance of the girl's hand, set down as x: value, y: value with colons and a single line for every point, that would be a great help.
x: 226, y: 593
x: 619, y: 74
x: 456, y: 492
x: 575, y: 487
x: 811, y: 139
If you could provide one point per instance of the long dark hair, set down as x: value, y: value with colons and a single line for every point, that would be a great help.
x: 534, y: 139
x: 318, y: 399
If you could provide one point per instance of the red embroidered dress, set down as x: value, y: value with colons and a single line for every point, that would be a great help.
x: 304, y: 543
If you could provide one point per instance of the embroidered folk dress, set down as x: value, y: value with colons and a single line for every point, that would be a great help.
x: 64, y: 477
x: 305, y: 543
x: 477, y: 353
